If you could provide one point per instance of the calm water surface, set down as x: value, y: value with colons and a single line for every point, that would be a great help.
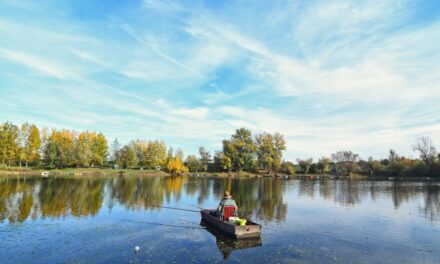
x: 101, y: 220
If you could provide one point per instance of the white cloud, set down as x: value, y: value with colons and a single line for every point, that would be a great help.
x: 42, y: 65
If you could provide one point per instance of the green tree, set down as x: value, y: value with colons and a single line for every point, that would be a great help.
x: 324, y: 165
x: 270, y: 150
x: 305, y: 164
x: 126, y: 157
x: 288, y: 167
x: 373, y: 166
x: 225, y: 160
x: 205, y: 158
x: 193, y: 163
x: 217, y: 161
x: 83, y: 149
x: 240, y: 150
x: 99, y: 149
x: 156, y: 154
x: 346, y: 161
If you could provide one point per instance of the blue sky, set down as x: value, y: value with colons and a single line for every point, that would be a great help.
x: 329, y: 75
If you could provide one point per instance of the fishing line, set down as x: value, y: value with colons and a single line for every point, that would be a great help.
x: 194, y: 206
x: 160, y: 224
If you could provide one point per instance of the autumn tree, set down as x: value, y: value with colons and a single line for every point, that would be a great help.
x: 29, y: 144
x: 150, y: 154
x: 175, y: 166
x: 60, y: 149
x: 90, y: 149
x: 9, y: 148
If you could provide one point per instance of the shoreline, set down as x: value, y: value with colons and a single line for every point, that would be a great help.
x: 31, y: 172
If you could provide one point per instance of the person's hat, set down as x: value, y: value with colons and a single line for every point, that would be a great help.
x: 227, y: 195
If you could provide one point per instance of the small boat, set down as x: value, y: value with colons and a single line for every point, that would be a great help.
x: 250, y: 230
x: 44, y: 174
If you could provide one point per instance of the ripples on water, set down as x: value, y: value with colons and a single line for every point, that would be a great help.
x: 89, y: 219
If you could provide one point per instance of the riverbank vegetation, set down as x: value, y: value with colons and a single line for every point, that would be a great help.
x: 27, y: 147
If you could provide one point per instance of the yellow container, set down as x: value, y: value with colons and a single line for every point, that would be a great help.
x: 242, y: 222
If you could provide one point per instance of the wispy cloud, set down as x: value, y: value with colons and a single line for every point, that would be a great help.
x: 39, y: 64
x: 329, y: 75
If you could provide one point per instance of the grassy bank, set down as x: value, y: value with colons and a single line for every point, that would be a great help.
x: 78, y: 171
x: 30, y: 171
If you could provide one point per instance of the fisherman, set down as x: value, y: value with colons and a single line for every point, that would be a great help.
x: 226, y: 201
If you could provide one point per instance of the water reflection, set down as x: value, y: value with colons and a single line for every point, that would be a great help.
x: 227, y: 245
x: 263, y: 199
x: 49, y: 197
x: 431, y: 209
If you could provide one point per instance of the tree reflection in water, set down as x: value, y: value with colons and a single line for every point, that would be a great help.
x: 49, y: 197
x: 431, y: 208
x: 263, y: 199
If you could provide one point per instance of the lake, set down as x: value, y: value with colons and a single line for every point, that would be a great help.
x: 102, y: 219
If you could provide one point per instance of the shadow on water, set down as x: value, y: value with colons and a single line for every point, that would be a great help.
x: 227, y: 245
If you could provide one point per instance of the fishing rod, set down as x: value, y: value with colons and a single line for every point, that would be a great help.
x: 173, y: 208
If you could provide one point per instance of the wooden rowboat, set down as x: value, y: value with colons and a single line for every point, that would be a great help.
x: 250, y: 230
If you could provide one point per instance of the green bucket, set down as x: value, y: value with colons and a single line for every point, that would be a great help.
x: 242, y: 222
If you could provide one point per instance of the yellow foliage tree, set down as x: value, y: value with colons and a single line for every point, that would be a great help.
x: 176, y: 166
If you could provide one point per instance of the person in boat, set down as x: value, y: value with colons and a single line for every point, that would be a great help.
x: 227, y: 201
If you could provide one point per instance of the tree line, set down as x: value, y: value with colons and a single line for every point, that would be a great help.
x: 27, y: 145
x: 348, y: 163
